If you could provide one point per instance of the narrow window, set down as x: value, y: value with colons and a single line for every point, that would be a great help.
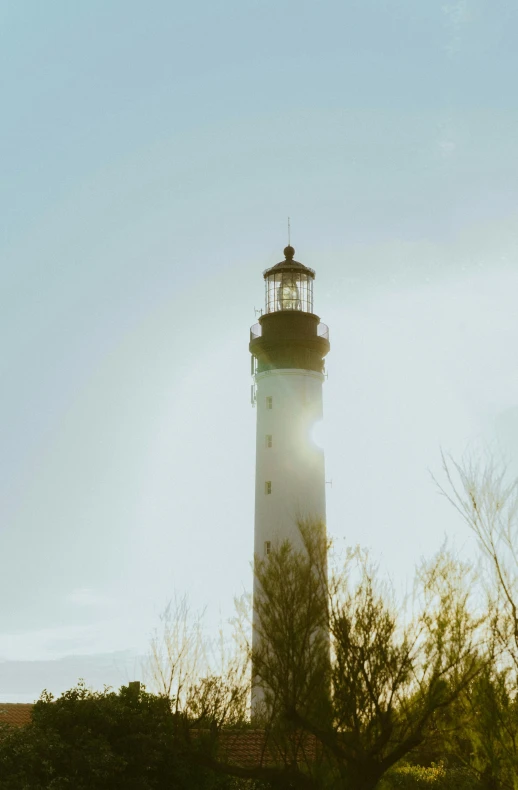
x: 268, y: 440
x: 268, y: 487
x: 267, y: 547
x: 269, y: 402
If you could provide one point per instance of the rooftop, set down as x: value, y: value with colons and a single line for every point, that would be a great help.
x: 15, y: 713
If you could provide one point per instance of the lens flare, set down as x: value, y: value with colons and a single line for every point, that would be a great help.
x: 316, y: 434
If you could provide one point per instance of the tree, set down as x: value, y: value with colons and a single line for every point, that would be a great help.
x: 386, y: 680
x: 205, y: 690
x: 291, y: 644
x: 487, y: 499
x: 351, y: 683
x: 100, y: 741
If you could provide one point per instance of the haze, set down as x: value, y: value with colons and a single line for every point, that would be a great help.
x: 151, y: 155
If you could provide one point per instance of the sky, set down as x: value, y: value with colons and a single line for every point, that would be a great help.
x: 151, y: 154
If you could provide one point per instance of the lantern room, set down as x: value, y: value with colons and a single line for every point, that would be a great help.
x: 289, y: 335
x: 289, y: 286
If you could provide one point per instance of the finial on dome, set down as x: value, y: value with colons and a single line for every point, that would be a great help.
x: 289, y: 252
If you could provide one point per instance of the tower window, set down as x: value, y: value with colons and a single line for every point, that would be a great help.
x: 267, y: 547
x: 268, y: 487
x: 269, y: 402
x: 268, y: 440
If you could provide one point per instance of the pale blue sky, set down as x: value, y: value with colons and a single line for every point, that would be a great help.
x: 150, y: 155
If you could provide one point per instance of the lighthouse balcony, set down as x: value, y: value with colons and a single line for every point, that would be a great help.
x: 256, y: 331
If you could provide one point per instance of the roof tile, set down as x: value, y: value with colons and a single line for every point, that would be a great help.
x: 15, y: 713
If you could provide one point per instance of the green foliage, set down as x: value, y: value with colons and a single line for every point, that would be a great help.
x: 493, y: 726
x: 484, y: 734
x: 482, y: 731
x: 291, y: 653
x: 386, y: 681
x: 88, y: 740
x: 436, y: 777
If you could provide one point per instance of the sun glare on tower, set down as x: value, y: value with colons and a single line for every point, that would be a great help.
x: 316, y: 434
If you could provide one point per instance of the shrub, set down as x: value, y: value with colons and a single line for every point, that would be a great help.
x: 436, y: 777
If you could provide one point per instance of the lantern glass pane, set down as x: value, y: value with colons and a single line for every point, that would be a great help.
x: 289, y: 291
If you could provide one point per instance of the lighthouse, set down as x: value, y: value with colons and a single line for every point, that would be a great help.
x: 288, y: 347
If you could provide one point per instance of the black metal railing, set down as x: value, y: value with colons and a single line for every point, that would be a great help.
x: 256, y: 331
x: 323, y: 331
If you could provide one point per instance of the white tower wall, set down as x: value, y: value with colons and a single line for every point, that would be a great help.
x: 293, y: 465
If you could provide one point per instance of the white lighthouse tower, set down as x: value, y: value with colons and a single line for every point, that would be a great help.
x: 288, y: 347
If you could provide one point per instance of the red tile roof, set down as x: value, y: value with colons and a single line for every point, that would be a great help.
x: 15, y: 713
x: 253, y: 748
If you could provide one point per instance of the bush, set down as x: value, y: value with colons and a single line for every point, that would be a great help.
x: 436, y: 777
x: 89, y: 740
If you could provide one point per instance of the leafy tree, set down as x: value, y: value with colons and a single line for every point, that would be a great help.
x: 492, y: 728
x: 487, y: 499
x: 90, y: 740
x: 349, y: 683
x: 291, y: 643
x: 387, y: 680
